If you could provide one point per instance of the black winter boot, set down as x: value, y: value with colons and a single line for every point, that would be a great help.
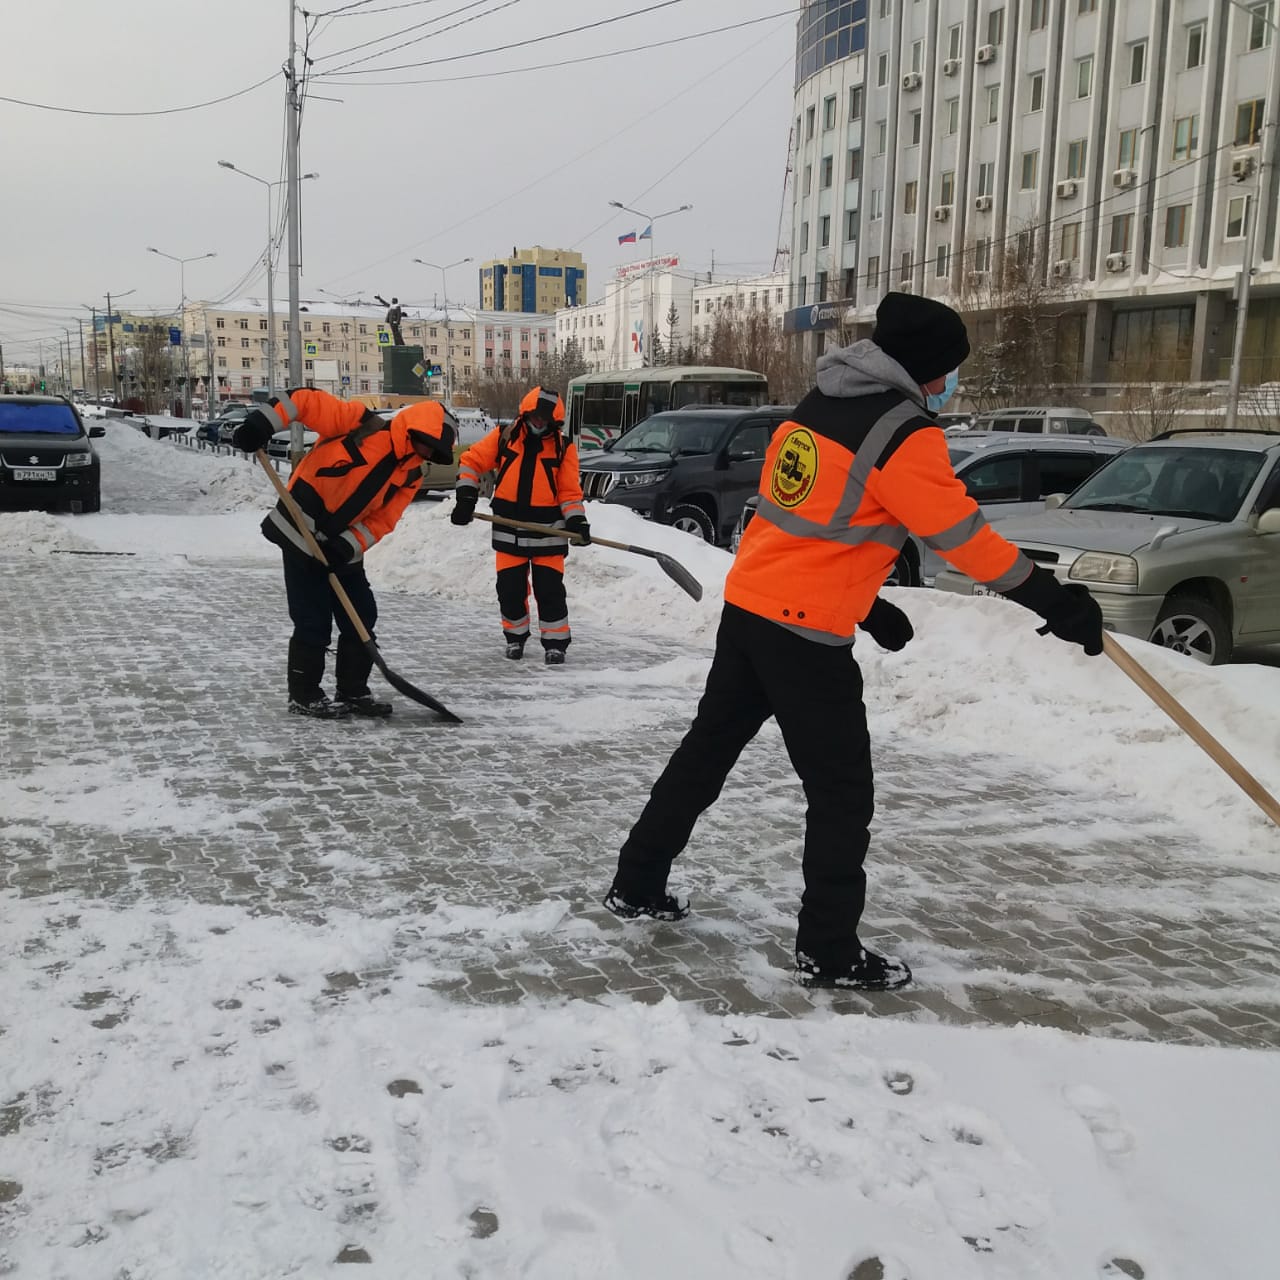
x: 631, y: 907
x: 351, y: 672
x: 868, y: 972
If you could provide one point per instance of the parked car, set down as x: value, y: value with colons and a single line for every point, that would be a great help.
x: 1038, y: 420
x: 47, y: 459
x: 1177, y: 539
x: 1007, y: 475
x: 230, y: 416
x: 691, y: 468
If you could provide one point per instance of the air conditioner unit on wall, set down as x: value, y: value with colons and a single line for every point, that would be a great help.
x: 1117, y: 261
x: 1067, y: 189
x: 950, y: 66
x: 986, y: 53
x: 1124, y: 177
x: 911, y: 80
x: 982, y: 204
x: 1242, y: 167
x: 941, y: 213
x: 1062, y: 270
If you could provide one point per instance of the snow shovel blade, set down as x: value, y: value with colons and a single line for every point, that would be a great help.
x: 401, y: 685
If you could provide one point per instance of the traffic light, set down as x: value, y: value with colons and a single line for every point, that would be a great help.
x: 433, y: 371
x: 41, y: 384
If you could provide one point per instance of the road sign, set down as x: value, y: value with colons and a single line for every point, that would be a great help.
x: 384, y: 338
x: 310, y: 348
x: 346, y: 377
x: 418, y: 370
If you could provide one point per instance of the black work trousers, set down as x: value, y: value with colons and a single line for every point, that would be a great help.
x: 814, y: 691
x: 547, y: 573
x: 313, y: 608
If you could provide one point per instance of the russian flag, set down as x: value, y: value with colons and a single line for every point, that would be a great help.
x: 629, y: 238
x: 647, y: 233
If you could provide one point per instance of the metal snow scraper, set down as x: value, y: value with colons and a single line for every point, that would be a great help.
x: 398, y: 683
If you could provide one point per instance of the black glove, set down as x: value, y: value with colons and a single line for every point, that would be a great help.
x: 1069, y: 611
x: 255, y: 431
x: 579, y: 525
x: 338, y: 552
x: 887, y: 625
x: 464, y: 506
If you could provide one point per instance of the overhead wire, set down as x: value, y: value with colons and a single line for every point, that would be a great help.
x: 166, y: 111
x: 403, y: 31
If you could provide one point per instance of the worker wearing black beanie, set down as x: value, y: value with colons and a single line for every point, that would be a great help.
x: 927, y: 338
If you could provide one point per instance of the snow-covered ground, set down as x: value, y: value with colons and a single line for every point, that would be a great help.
x: 221, y: 1098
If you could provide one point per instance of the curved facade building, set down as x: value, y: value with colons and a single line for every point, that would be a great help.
x: 1118, y: 152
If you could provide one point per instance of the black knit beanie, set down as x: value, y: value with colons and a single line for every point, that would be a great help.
x: 927, y: 338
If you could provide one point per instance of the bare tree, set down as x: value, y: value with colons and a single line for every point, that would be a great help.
x: 755, y: 340
x: 501, y: 389
x: 1149, y: 408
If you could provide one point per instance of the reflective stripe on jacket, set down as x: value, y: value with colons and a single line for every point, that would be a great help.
x: 843, y: 482
x: 536, y: 479
x: 355, y: 481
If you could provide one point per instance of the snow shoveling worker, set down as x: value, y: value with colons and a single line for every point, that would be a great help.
x: 535, y: 480
x: 352, y: 487
x: 861, y: 461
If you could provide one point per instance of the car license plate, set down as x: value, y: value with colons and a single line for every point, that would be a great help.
x: 980, y: 590
x: 33, y: 473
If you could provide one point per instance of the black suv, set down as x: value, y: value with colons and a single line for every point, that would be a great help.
x: 692, y: 468
x: 46, y: 460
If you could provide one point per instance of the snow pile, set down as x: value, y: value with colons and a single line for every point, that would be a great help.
x: 37, y: 533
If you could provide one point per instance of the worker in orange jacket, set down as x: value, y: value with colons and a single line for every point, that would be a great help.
x: 352, y: 488
x: 860, y: 463
x: 536, y: 480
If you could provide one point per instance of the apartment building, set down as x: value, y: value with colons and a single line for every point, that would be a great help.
x: 533, y: 280
x: 1112, y: 148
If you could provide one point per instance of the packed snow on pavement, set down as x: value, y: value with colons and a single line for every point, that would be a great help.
x: 216, y: 1101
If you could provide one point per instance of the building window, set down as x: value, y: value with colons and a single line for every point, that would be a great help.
x: 306, y: 326
x: 955, y: 40
x: 808, y: 179
x: 1036, y: 95
x: 947, y: 187
x: 855, y: 103
x: 222, y: 362
x: 1030, y: 165
x: 850, y: 282
x: 829, y: 113
x: 882, y: 70
x: 1186, y: 137
x: 824, y: 231
x: 1195, y: 45
x: 1238, y: 217
x: 246, y: 363
x: 909, y: 194
x: 1076, y: 154
x: 1087, y: 6
x: 808, y: 122
x: 906, y: 267
x: 952, y: 110
x: 993, y: 103
x: 916, y: 126
x: 804, y: 291
x: 244, y: 342
x: 1249, y: 122
x: 324, y: 326
x: 855, y: 164
x: 1039, y: 14
x: 851, y: 224
x: 820, y: 284
x: 1260, y: 20
x: 244, y: 324
x: 222, y: 342
x: 995, y: 26
x: 877, y: 204
x: 982, y: 255
x: 1070, y: 246
x: 942, y: 261
x: 917, y: 56
x: 987, y: 178
x: 828, y: 171
x: 882, y: 136
x: 1084, y: 76
x: 1127, y: 152
x: 804, y: 237
x: 1138, y: 62
x: 873, y: 272
x: 1121, y: 225
x: 262, y: 324
x: 220, y: 323
x: 1177, y: 217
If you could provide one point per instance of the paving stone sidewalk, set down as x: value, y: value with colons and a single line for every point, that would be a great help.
x: 1115, y: 925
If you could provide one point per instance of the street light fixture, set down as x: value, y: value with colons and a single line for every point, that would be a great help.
x: 271, y: 297
x: 448, y: 336
x: 650, y: 219
x: 182, y: 317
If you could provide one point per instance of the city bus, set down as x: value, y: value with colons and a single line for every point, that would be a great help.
x: 600, y: 406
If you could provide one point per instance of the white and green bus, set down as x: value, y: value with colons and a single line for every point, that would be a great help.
x: 600, y: 406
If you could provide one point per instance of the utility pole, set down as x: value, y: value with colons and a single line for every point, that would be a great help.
x: 83, y: 378
x: 292, y: 124
x: 111, y: 353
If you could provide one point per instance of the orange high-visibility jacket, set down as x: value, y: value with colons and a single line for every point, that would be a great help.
x: 843, y: 481
x: 536, y: 480
x: 355, y: 481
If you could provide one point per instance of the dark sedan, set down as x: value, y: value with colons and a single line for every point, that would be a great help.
x: 47, y: 462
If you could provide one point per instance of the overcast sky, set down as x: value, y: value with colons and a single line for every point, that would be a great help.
x: 441, y: 168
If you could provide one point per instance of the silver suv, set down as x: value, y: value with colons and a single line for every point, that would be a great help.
x: 1178, y: 540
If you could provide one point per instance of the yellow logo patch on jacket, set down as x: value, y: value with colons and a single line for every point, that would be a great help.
x: 795, y: 469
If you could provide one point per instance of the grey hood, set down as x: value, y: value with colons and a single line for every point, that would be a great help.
x: 863, y: 369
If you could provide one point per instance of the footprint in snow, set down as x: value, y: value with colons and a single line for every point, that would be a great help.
x: 1114, y: 1140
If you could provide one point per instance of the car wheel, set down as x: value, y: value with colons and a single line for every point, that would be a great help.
x: 905, y: 571
x: 690, y: 519
x: 1187, y: 624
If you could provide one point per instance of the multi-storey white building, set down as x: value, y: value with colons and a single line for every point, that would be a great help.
x: 1115, y: 144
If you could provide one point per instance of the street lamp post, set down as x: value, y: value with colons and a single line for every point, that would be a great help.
x: 271, y: 307
x: 182, y: 318
x: 117, y: 386
x: 650, y: 219
x: 448, y: 335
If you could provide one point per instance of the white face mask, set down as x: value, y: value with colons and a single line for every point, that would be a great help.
x: 934, y: 400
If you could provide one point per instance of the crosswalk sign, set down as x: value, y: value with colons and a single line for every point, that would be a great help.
x: 310, y: 348
x: 384, y: 338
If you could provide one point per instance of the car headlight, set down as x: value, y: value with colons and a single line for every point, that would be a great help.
x: 1096, y: 566
x: 638, y: 479
x: 79, y: 459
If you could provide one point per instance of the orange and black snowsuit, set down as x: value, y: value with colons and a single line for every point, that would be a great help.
x: 535, y: 479
x: 859, y: 464
x: 352, y: 486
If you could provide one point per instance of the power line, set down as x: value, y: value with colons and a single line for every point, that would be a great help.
x: 341, y: 13
x: 568, y: 62
x: 166, y: 111
x: 403, y: 31
x: 516, y: 44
